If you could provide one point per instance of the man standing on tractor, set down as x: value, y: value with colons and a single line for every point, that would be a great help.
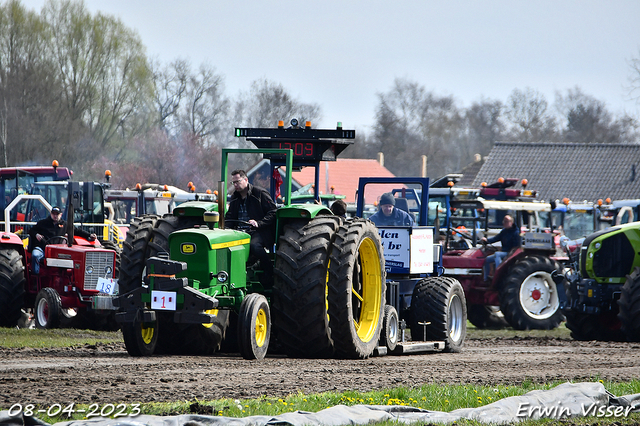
x: 45, y: 230
x: 389, y: 215
x: 253, y: 211
x: 509, y: 238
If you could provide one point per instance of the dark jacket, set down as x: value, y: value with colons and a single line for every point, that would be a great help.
x: 398, y: 217
x: 260, y: 207
x: 49, y: 229
x: 508, y: 237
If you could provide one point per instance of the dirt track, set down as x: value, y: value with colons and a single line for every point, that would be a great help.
x: 107, y: 374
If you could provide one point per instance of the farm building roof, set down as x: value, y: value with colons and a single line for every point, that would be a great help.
x: 579, y: 171
x: 343, y: 176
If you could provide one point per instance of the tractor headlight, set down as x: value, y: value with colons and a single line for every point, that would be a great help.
x: 89, y: 269
x: 222, y: 277
x: 108, y: 270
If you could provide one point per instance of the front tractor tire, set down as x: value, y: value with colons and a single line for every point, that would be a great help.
x: 140, y: 338
x: 629, y: 306
x: 254, y: 327
x: 11, y: 287
x: 299, y: 301
x: 529, y: 296
x: 438, y: 308
x: 604, y: 327
x: 356, y: 289
x: 48, y: 309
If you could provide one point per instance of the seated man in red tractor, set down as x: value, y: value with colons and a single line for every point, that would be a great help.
x: 509, y: 238
x: 46, y: 229
x: 253, y: 211
x: 389, y: 215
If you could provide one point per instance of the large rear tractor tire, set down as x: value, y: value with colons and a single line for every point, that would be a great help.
x: 11, y: 287
x: 184, y: 339
x: 629, y: 306
x: 254, y: 327
x: 140, y: 339
x: 356, y: 289
x: 299, y: 302
x: 529, y: 296
x: 48, y: 309
x: 486, y: 317
x: 605, y: 327
x: 134, y: 252
x: 439, y: 301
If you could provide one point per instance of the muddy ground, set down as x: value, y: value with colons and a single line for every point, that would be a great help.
x: 105, y: 373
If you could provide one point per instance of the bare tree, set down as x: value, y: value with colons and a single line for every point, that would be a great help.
x: 268, y: 102
x: 527, y: 112
x: 207, y: 109
x: 634, y: 78
x: 588, y: 120
x: 485, y: 126
x: 170, y: 84
x: 411, y: 122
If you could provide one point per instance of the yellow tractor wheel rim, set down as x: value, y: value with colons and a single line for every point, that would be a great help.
x: 371, y: 297
x: 147, y: 333
x: 210, y: 312
x: 261, y: 328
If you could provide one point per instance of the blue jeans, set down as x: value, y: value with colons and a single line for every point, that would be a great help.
x: 36, y: 257
x: 494, y: 258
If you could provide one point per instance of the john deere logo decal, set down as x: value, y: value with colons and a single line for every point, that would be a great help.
x: 187, y: 248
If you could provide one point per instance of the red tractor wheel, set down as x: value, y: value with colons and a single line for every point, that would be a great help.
x: 529, y: 296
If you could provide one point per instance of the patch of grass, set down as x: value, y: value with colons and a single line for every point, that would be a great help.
x: 436, y: 397
x: 56, y: 338
x: 561, y: 332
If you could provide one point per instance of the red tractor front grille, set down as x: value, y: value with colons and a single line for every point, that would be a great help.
x: 98, y: 264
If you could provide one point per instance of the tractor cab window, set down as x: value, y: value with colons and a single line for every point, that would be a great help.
x: 495, y: 217
x: 578, y: 223
x: 437, y: 208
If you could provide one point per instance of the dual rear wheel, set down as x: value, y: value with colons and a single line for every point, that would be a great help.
x: 329, y: 288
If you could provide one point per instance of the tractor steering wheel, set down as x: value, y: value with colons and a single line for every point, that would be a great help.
x: 244, y: 222
x: 62, y: 238
x: 488, y: 248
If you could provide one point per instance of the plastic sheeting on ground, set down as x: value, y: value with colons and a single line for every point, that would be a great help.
x: 563, y: 401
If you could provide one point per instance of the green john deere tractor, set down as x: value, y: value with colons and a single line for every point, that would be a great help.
x: 186, y: 284
x: 604, y: 285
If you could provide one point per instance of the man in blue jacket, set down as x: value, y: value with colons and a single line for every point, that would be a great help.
x: 389, y: 215
x: 509, y: 238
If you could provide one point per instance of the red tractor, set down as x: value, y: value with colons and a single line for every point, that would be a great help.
x: 520, y: 291
x: 76, y: 281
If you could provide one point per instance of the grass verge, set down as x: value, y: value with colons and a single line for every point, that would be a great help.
x: 55, y: 338
x: 436, y: 397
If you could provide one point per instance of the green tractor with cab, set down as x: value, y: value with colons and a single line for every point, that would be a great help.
x: 603, y: 285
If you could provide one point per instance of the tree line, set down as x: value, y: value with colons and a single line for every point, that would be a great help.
x: 79, y: 88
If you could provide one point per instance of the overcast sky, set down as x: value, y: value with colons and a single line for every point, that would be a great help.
x: 341, y: 54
